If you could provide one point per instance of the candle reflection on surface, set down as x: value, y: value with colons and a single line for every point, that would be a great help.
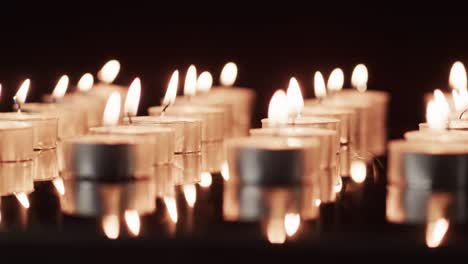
x: 358, y: 171
x: 190, y: 194
x: 111, y: 226
x: 225, y: 170
x: 23, y: 199
x: 171, y: 207
x: 132, y: 219
x: 59, y: 185
x: 292, y: 223
x: 276, y: 232
x: 205, y: 179
x: 435, y: 232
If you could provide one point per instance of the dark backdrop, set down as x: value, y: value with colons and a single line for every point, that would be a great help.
x: 407, y: 53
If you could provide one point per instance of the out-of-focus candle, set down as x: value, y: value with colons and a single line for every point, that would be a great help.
x: 106, y: 76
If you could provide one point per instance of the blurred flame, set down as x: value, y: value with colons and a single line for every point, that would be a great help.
x: 460, y: 99
x: 109, y: 71
x: 86, y: 82
x: 437, y: 111
x: 358, y: 171
x: 111, y: 226
x: 132, y: 219
x: 190, y: 85
x: 22, y: 92
x: 292, y: 223
x: 335, y: 80
x: 295, y: 101
x: 171, y: 91
x: 435, y: 232
x: 22, y: 199
x: 205, y: 179
x: 318, y: 202
x: 204, y: 82
x: 277, y: 110
x: 61, y: 87
x: 359, y: 77
x: 59, y: 186
x: 338, y: 186
x: 171, y: 207
x: 457, y: 77
x: 229, y: 74
x: 190, y: 194
x: 112, y: 110
x: 276, y: 233
x: 225, y: 170
x: 319, y: 85
x: 0, y: 90
x: 133, y: 98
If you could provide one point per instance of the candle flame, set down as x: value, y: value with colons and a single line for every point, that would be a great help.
x: 109, y: 71
x: 132, y: 220
x: 205, y: 179
x: 190, y: 194
x: 359, y: 77
x: 276, y: 233
x: 319, y: 85
x: 61, y: 87
x: 111, y: 226
x: 171, y: 91
x: 204, y: 82
x: 295, y: 101
x: 22, y: 92
x: 22, y: 199
x: 171, y: 207
x: 435, y: 232
x: 437, y: 111
x: 190, y: 85
x: 317, y: 202
x: 460, y: 99
x: 335, y: 80
x: 292, y: 223
x: 457, y: 77
x: 59, y: 185
x: 277, y: 110
x: 225, y: 170
x: 358, y: 171
x: 339, y: 185
x: 86, y: 82
x: 228, y: 74
x: 133, y: 98
x: 112, y: 110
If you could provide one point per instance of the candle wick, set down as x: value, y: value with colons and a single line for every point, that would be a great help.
x: 462, y: 113
x: 130, y: 121
x: 164, y: 109
x: 17, y: 105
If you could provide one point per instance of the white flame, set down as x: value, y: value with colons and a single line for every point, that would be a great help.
x: 319, y: 85
x: 225, y: 170
x: 190, y: 85
x: 229, y: 74
x: 22, y: 92
x: 435, y: 232
x: 460, y: 99
x: 292, y: 223
x: 111, y: 226
x: 204, y: 82
x: 109, y: 71
x: 335, y: 80
x: 205, y: 179
x: 295, y: 101
x: 457, y: 77
x: 112, y: 110
x: 171, y: 91
x: 61, y: 87
x: 133, y: 98
x: 171, y: 207
x: 276, y: 233
x: 59, y: 186
x: 86, y: 82
x: 358, y: 171
x: 22, y: 199
x: 277, y: 110
x: 132, y: 219
x: 359, y: 77
x: 437, y: 112
x: 190, y: 194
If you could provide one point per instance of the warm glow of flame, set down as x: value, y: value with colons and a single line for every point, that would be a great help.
x: 109, y: 71
x: 86, y: 82
x: 457, y: 77
x: 59, y: 186
x: 295, y: 100
x: 22, y: 199
x: 460, y: 99
x: 22, y: 92
x: 335, y: 80
x: 277, y: 110
x: 133, y: 98
x: 132, y: 219
x: 112, y: 110
x: 0, y: 90
x: 435, y: 232
x: 190, y: 194
x: 205, y: 179
x: 190, y: 85
x: 319, y: 85
x: 61, y: 87
x: 204, y: 82
x: 339, y: 185
x: 111, y: 226
x: 317, y: 202
x: 276, y: 233
x: 437, y: 112
x: 359, y: 77
x: 171, y: 91
x: 225, y: 170
x: 358, y: 171
x: 292, y: 223
x: 171, y: 207
x: 228, y: 74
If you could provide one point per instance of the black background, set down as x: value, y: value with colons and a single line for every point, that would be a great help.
x: 408, y: 51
